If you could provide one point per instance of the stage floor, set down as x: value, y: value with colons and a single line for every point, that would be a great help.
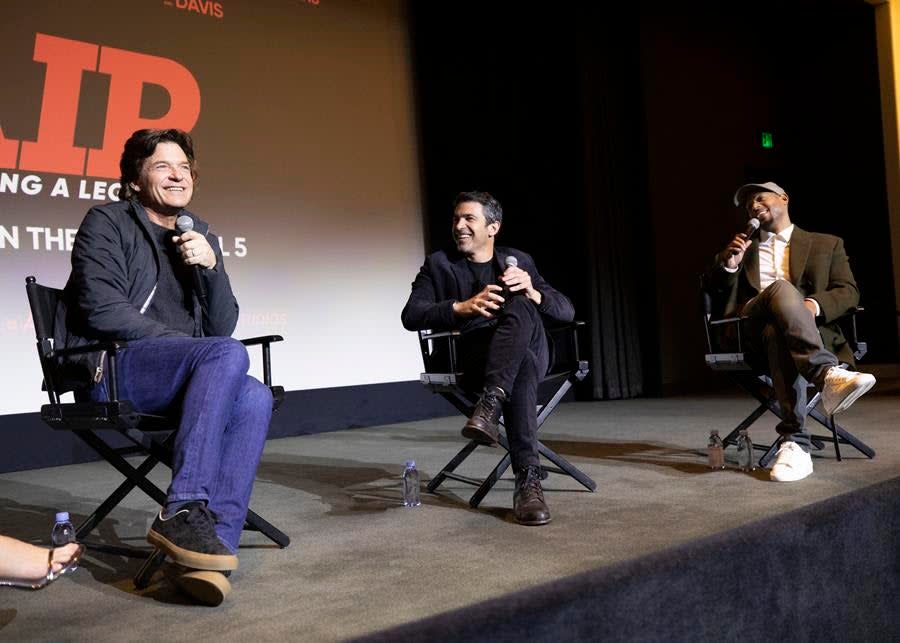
x: 359, y: 562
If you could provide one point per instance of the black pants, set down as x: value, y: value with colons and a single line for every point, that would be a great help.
x: 783, y: 333
x: 512, y: 353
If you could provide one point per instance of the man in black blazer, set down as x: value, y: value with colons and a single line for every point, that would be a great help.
x: 499, y: 305
x: 792, y: 285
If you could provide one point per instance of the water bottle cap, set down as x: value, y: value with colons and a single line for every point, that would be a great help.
x: 410, y: 463
x: 62, y: 516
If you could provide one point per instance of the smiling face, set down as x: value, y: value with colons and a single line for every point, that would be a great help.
x: 771, y: 209
x: 473, y: 235
x: 166, y: 182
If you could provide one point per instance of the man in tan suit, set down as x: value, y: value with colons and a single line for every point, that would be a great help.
x: 792, y: 285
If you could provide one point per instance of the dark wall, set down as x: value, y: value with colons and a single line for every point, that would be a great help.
x: 499, y: 112
x: 509, y: 110
x: 521, y: 112
x: 714, y: 79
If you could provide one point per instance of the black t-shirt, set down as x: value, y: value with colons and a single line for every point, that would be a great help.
x: 484, y: 273
x: 172, y: 304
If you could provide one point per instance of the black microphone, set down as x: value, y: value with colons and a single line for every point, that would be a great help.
x: 750, y: 230
x: 185, y: 224
x: 511, y: 262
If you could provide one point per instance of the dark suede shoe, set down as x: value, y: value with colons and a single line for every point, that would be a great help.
x: 482, y: 426
x: 189, y: 538
x: 528, y: 500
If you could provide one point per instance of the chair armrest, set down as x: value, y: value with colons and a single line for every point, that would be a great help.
x: 111, y: 347
x: 263, y: 339
x: 726, y: 320
x: 565, y: 325
x: 440, y: 334
x: 265, y: 343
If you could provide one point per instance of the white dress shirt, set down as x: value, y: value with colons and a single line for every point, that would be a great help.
x: 774, y: 256
x: 775, y: 260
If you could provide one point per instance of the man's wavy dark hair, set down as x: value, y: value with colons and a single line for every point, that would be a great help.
x: 493, y: 213
x: 141, y: 146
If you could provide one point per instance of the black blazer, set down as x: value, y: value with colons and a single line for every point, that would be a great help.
x: 445, y: 278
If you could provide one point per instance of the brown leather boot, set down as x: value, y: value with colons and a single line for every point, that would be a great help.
x: 482, y: 426
x: 528, y: 500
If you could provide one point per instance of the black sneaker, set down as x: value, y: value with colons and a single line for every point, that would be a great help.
x: 483, y: 425
x: 189, y: 538
x: 529, y: 507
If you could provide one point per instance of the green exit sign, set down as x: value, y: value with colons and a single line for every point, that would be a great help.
x: 767, y: 140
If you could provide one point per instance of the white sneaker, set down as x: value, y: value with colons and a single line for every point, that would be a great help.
x: 842, y: 388
x: 792, y: 463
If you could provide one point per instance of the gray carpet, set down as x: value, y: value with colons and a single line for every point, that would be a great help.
x: 359, y: 562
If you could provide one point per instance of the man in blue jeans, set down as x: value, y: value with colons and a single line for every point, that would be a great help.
x: 136, y: 278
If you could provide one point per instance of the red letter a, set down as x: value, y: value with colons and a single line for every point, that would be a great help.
x: 54, y: 150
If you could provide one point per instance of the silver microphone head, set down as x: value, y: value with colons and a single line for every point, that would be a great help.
x: 185, y: 224
x: 753, y: 223
x: 512, y: 262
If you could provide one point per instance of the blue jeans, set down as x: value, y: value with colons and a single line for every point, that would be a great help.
x: 224, y: 415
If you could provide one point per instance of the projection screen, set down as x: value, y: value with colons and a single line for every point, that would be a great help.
x: 302, y: 115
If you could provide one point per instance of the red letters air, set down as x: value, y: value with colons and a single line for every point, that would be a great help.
x: 54, y: 150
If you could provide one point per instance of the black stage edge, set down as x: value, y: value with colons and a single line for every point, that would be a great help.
x: 31, y: 444
x: 827, y: 572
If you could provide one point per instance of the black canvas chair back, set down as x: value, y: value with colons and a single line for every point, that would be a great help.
x: 725, y: 344
x: 106, y: 426
x: 443, y: 376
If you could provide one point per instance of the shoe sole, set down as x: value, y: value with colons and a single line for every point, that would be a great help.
x: 774, y: 478
x: 479, y: 436
x: 205, y: 587
x: 534, y: 523
x: 854, y: 395
x: 193, y: 559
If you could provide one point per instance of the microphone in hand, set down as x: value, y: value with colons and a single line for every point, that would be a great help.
x: 510, y: 262
x: 751, y: 229
x: 185, y: 224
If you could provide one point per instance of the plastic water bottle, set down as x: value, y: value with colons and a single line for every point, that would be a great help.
x: 745, y: 451
x: 716, y: 450
x: 63, y: 531
x: 411, y: 485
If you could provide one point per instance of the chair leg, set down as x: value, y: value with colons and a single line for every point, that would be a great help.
x: 490, y: 481
x: 255, y: 522
x: 114, y: 499
x: 842, y: 434
x: 450, y: 467
x: 567, y: 467
x: 145, y: 573
x: 769, y: 455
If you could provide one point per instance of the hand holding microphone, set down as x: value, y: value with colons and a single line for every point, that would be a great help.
x: 196, y: 252
x: 734, y: 252
x: 515, y: 280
